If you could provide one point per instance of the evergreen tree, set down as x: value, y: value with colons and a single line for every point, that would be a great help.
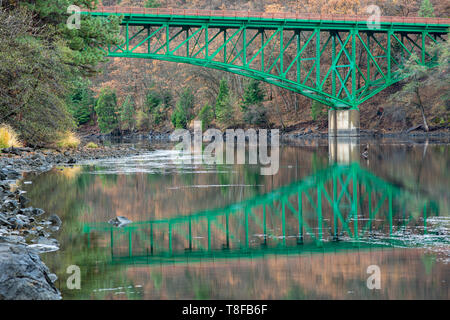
x: 152, y: 4
x: 426, y: 9
x: 179, y: 119
x: 224, y: 108
x: 253, y: 94
x: 254, y: 111
x: 127, y: 112
x: 184, y: 109
x: 206, y: 115
x: 40, y: 58
x: 81, y: 47
x: 316, y: 109
x: 81, y: 101
x: 153, y: 100
x: 106, y: 108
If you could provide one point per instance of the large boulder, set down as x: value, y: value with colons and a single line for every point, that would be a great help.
x: 23, y: 276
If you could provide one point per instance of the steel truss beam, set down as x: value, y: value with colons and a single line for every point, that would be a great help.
x: 340, y: 203
x: 338, y: 63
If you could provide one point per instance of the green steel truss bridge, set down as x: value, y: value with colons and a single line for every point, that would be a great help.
x: 340, y: 61
x: 343, y: 207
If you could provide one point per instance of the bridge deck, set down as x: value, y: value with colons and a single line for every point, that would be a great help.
x: 266, y: 16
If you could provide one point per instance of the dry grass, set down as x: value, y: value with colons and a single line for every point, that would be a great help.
x: 8, y: 138
x: 92, y: 145
x: 68, y: 140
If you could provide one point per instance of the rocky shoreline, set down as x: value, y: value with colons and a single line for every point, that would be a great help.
x: 25, y: 232
x: 298, y: 134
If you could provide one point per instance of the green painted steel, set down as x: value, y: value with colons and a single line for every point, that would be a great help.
x: 338, y: 63
x: 324, y: 212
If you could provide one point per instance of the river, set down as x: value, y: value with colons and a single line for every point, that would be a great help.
x: 227, y: 232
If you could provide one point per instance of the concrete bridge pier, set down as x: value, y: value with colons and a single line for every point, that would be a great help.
x: 343, y: 136
x: 343, y: 123
x: 343, y: 150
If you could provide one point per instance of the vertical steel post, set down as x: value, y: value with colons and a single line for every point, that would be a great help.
x: 335, y: 208
x: 190, y: 234
x: 423, y: 47
x: 388, y: 55
x: 319, y: 212
x: 206, y: 42
x: 353, y: 63
x: 209, y: 234
x: 151, y: 238
x: 265, y: 224
x: 167, y: 39
x: 281, y: 50
x: 127, y: 38
x: 425, y: 218
x: 227, y: 231
x: 355, y: 204
x: 368, y: 59
x: 148, y: 40
x: 262, y: 51
x: 333, y: 57
x: 170, y: 238
x: 317, y: 58
x: 225, y: 46
x: 130, y: 244
x: 112, y: 241
x: 187, y: 42
x: 390, y: 212
x: 300, y: 218
x: 299, y: 59
x: 283, y: 220
x: 246, y: 228
x: 370, y: 209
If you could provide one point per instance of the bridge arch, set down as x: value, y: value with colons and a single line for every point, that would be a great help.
x: 340, y: 61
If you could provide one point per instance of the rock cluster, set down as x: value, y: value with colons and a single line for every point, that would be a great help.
x: 24, y: 232
x: 23, y: 235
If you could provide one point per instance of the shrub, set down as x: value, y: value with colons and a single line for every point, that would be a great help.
x: 255, y: 114
x: 179, y: 118
x: 206, y: 115
x: 152, y: 4
x: 316, y: 110
x: 142, y: 121
x: 106, y: 108
x: 80, y: 101
x: 127, y: 114
x: 183, y: 112
x: 92, y: 145
x: 224, y: 105
x: 8, y: 137
x: 68, y: 140
x: 253, y: 94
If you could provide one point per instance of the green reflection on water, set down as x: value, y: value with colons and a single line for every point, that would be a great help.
x: 381, y: 215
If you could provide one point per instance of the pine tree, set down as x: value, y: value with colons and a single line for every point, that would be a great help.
x: 106, y: 111
x: 152, y: 4
x: 184, y: 110
x: 253, y: 94
x: 426, y: 9
x: 81, y: 101
x: 206, y: 115
x: 127, y: 112
x: 224, y: 108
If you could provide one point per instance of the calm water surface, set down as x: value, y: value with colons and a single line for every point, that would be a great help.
x: 227, y: 232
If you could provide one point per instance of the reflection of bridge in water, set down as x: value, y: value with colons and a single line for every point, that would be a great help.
x: 343, y: 207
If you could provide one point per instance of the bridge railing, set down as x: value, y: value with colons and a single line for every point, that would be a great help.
x: 265, y: 15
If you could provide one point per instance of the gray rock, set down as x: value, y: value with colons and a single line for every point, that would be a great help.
x: 23, y: 276
x: 55, y: 220
x: 120, y: 221
x: 23, y: 201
